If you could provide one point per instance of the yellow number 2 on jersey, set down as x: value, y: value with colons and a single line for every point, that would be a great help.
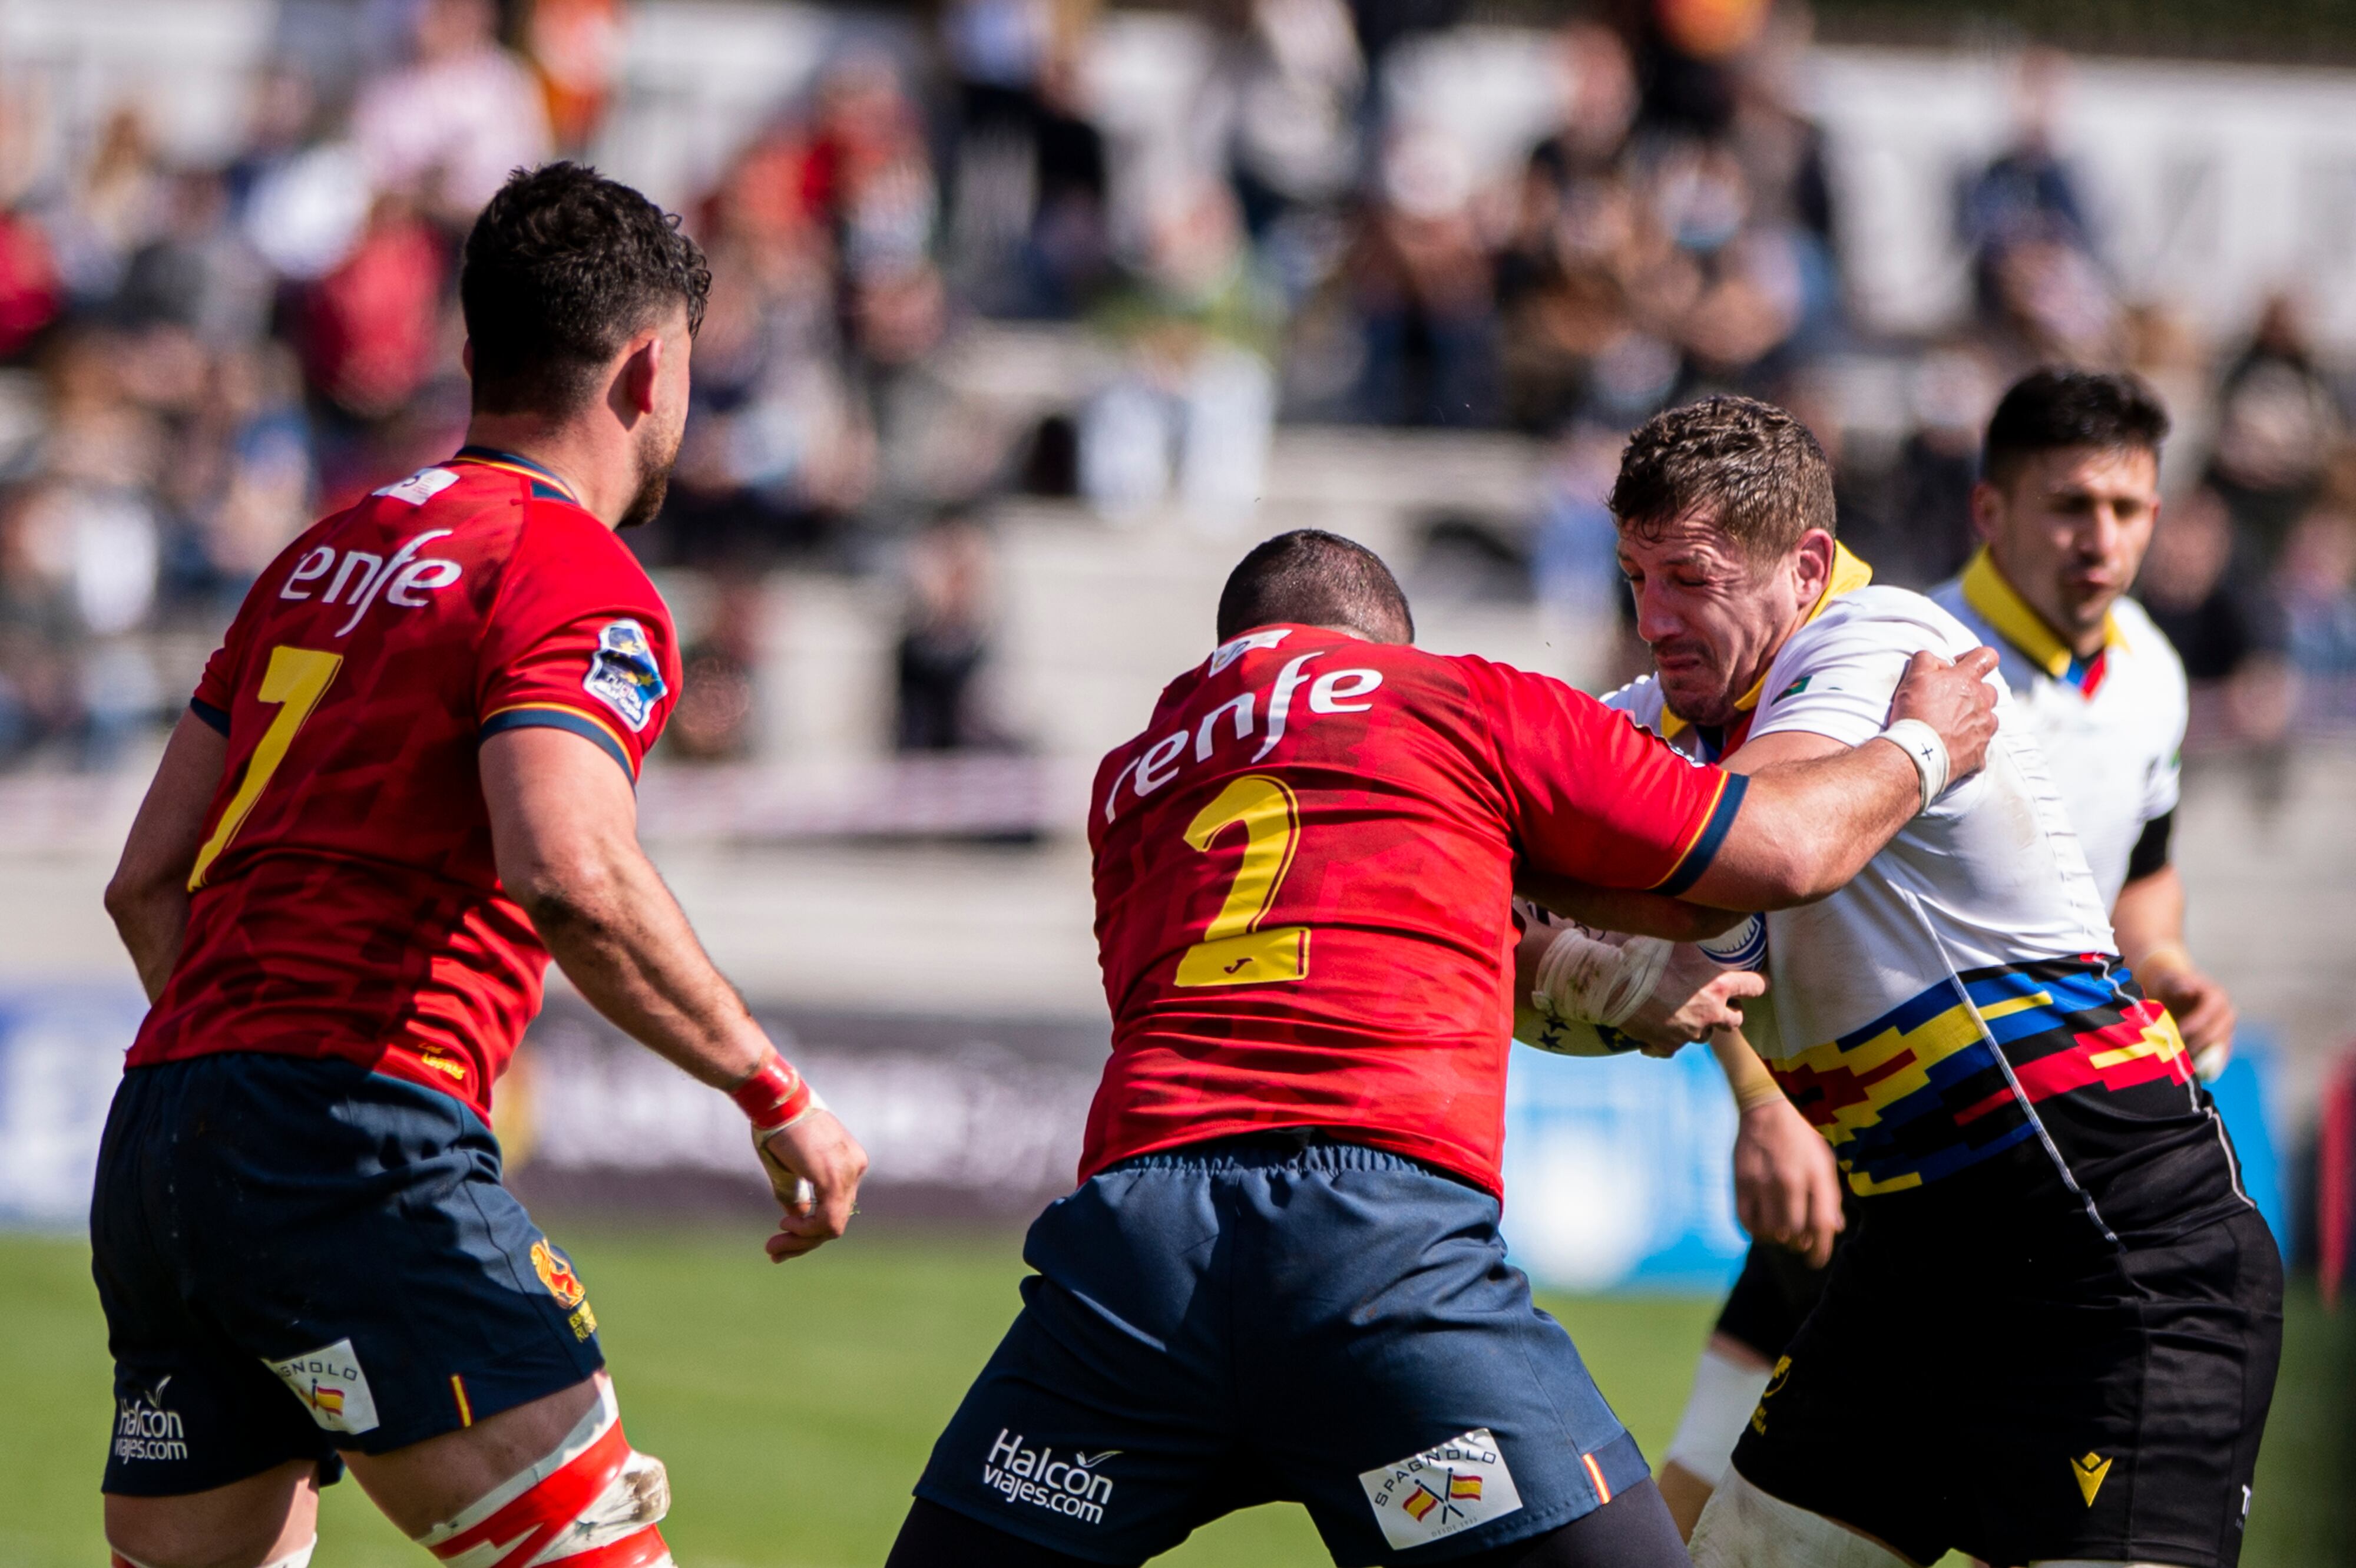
x: 1235, y: 950
x: 296, y: 680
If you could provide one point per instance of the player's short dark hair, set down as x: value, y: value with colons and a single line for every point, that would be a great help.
x: 2052, y: 409
x: 560, y: 270
x: 1755, y: 465
x: 1311, y: 577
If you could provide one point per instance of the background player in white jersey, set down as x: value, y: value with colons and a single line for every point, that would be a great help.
x: 2069, y: 494
x: 2065, y: 506
x: 2053, y: 1334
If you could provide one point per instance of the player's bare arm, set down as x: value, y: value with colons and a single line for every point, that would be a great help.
x: 148, y: 895
x: 2148, y: 921
x: 565, y: 831
x: 1787, y: 1184
x: 1815, y: 813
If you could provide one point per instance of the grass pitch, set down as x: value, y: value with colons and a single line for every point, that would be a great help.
x: 796, y: 1406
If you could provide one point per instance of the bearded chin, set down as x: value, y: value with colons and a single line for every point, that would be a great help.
x: 653, y: 483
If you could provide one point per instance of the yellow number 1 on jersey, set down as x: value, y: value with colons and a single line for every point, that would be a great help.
x: 296, y: 680
x: 1234, y: 951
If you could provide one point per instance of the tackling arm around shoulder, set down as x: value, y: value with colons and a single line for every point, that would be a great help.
x: 564, y: 833
x: 1816, y: 811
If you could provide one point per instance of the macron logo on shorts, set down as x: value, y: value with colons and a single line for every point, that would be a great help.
x: 1447, y: 1488
x: 332, y: 1387
x: 1068, y: 1485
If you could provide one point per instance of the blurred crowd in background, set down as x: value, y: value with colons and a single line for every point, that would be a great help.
x: 195, y: 362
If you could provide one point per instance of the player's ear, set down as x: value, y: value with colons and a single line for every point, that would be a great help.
x: 641, y: 370
x: 1812, y: 565
x: 1987, y: 510
x: 466, y: 358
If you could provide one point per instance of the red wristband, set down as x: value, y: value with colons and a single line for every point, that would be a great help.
x: 774, y: 1096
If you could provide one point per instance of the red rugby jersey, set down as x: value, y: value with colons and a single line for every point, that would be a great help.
x: 345, y: 902
x: 1303, y: 869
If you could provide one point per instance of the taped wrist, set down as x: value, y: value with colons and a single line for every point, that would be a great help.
x: 593, y: 1502
x: 1926, y: 751
x: 1752, y: 1084
x: 774, y: 1097
x: 1724, y: 1395
x: 1591, y: 982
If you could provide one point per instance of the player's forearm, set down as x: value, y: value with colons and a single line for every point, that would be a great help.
x: 151, y: 923
x: 1622, y: 910
x: 1807, y: 826
x: 621, y: 939
x: 148, y: 895
x: 2148, y: 918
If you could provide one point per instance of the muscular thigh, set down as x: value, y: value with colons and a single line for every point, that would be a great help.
x: 257, y: 1520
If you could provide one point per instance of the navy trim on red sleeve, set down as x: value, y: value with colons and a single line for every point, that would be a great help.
x: 1713, y: 832
x: 211, y: 714
x: 557, y: 718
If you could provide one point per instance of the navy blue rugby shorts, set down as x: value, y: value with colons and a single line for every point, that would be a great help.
x: 1278, y: 1317
x: 300, y: 1256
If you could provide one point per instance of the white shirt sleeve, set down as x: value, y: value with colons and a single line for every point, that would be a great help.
x: 1836, y: 681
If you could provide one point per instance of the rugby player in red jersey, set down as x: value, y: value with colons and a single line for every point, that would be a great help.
x: 405, y: 781
x: 1280, y: 1276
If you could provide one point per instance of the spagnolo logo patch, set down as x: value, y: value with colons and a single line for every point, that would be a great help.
x: 145, y: 1429
x: 1448, y: 1489
x: 1066, y: 1482
x: 332, y: 1387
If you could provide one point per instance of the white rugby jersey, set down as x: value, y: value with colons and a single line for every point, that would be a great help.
x: 2111, y: 726
x: 1959, y: 997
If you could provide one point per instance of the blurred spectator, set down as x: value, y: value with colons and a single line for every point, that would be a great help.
x: 446, y: 129
x: 2317, y: 583
x: 1924, y: 535
x: 2202, y: 594
x: 1295, y: 75
x: 1070, y: 235
x: 576, y: 46
x: 113, y: 206
x: 1422, y: 288
x: 369, y: 326
x: 1689, y: 57
x: 2276, y: 422
x: 2032, y: 244
x: 713, y: 721
x: 302, y: 197
x: 198, y: 274
x: 1193, y: 402
x: 945, y: 639
x: 30, y: 291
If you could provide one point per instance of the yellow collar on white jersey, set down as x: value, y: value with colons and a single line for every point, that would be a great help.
x: 1996, y: 601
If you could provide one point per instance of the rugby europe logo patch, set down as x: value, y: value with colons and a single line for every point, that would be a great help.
x: 332, y: 1387
x: 1447, y: 1488
x: 624, y: 675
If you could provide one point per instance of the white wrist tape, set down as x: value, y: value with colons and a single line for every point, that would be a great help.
x: 1594, y: 981
x: 1723, y: 1397
x: 1925, y: 750
x: 817, y: 1102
